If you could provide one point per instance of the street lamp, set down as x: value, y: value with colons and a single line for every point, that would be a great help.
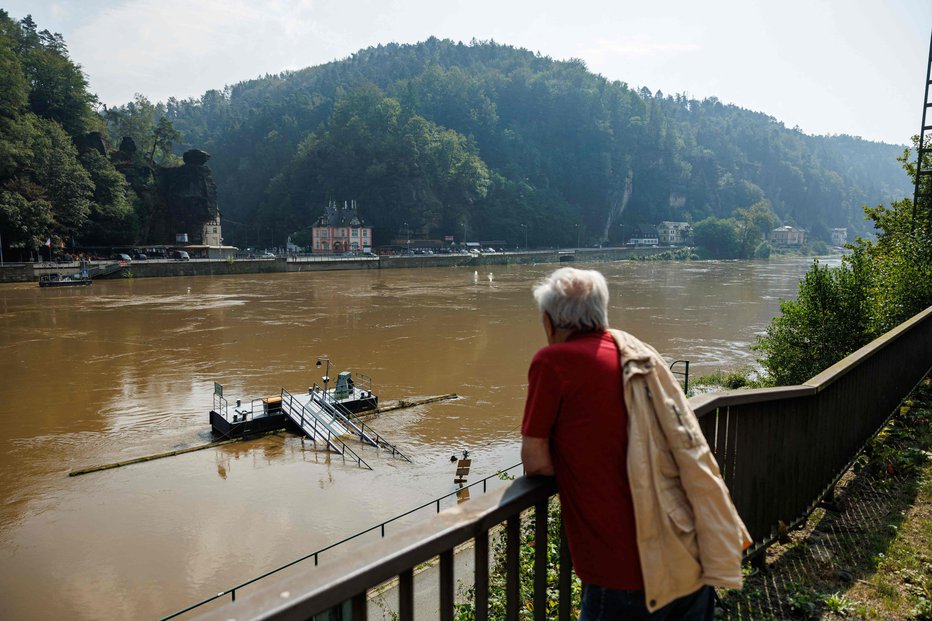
x: 326, y: 377
x: 577, y: 236
x: 524, y: 226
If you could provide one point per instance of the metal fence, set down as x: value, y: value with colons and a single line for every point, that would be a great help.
x: 781, y: 451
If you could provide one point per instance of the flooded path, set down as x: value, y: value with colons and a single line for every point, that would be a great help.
x: 126, y: 368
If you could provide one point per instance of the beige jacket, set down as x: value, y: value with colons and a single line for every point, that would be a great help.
x: 688, y: 531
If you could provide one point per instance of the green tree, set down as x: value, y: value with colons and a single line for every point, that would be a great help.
x: 752, y: 226
x: 878, y: 286
x: 68, y: 186
x: 14, y: 99
x: 57, y: 87
x: 902, y: 254
x: 135, y: 120
x: 398, y: 166
x: 163, y: 137
x: 717, y: 237
x: 25, y: 215
x: 44, y: 107
x: 827, y: 321
x: 111, y: 218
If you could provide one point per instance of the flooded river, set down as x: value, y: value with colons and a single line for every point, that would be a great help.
x: 125, y: 368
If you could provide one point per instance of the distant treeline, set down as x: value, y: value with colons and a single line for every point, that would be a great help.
x: 476, y: 140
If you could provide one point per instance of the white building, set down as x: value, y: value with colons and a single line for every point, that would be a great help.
x: 787, y: 236
x: 669, y: 233
x: 212, y: 235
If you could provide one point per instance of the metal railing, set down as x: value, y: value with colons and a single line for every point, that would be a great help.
x: 781, y: 450
x: 316, y: 428
x: 315, y: 555
x: 684, y: 373
x: 363, y: 382
x: 365, y: 432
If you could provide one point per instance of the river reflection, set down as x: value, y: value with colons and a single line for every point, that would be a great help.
x: 126, y: 368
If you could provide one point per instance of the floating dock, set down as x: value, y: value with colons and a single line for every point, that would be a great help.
x: 327, y: 416
x: 268, y: 413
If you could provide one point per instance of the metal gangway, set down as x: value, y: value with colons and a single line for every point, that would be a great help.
x: 318, y: 424
x: 338, y: 411
x: 104, y: 270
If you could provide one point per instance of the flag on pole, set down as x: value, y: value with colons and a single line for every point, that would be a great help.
x: 48, y: 242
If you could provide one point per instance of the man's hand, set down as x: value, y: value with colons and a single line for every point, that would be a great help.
x: 535, y: 455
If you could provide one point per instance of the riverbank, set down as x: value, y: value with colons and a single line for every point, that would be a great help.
x: 30, y: 272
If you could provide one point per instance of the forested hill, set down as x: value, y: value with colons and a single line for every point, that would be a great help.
x: 480, y: 141
x: 477, y: 140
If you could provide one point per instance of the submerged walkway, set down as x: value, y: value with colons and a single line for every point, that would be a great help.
x: 867, y: 554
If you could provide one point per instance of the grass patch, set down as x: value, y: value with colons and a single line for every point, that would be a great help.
x: 745, y: 377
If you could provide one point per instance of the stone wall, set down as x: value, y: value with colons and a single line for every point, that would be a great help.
x: 17, y: 272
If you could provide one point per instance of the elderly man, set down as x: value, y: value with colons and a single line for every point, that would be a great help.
x: 650, y: 524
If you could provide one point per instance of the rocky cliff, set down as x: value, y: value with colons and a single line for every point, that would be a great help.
x: 173, y: 199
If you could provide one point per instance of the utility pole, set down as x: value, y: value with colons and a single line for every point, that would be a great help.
x: 923, y: 170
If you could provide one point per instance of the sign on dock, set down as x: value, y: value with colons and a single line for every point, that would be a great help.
x: 462, y: 471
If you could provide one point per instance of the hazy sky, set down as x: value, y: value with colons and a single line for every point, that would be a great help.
x: 829, y: 66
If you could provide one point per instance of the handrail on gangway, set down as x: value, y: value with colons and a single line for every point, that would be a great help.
x: 365, y: 432
x: 329, y: 405
x: 104, y: 270
x: 329, y: 436
x: 309, y: 423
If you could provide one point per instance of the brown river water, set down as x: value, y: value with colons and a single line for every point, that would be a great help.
x: 125, y: 368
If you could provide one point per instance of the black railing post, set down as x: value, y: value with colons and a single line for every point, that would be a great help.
x: 359, y: 608
x: 685, y: 373
x: 406, y: 595
x: 482, y: 576
x: 540, y: 560
x: 512, y: 569
x: 446, y: 585
x: 565, y: 579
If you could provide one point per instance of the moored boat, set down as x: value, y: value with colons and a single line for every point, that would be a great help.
x: 78, y: 279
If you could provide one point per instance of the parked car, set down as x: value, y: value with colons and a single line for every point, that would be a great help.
x: 119, y: 256
x: 139, y: 256
x: 180, y: 255
x: 268, y: 255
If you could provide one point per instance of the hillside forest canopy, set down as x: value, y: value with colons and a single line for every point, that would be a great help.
x: 479, y: 141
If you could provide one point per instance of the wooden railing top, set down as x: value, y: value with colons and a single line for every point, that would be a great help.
x: 703, y: 404
x: 850, y: 362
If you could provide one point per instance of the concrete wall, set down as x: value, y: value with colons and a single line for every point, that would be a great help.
x: 17, y: 272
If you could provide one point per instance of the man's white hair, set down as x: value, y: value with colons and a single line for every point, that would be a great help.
x: 574, y: 299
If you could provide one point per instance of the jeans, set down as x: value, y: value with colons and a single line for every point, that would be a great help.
x: 602, y: 604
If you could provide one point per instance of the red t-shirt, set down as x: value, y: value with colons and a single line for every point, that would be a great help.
x: 575, y: 398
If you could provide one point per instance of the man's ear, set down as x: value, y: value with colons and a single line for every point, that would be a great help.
x: 549, y: 330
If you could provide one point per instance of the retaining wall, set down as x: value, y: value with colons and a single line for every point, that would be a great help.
x: 26, y: 272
